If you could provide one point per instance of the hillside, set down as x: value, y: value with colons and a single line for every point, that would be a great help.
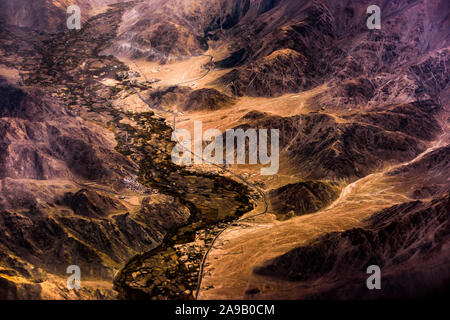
x: 87, y: 123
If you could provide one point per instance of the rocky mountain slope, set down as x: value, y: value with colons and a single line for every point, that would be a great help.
x: 80, y: 183
x: 86, y: 174
x: 46, y: 15
x: 303, y: 198
x: 412, y: 236
x: 324, y: 146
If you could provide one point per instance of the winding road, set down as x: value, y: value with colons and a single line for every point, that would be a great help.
x: 344, y: 193
x: 244, y: 180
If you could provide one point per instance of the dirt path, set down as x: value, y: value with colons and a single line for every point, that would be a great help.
x: 230, y: 274
x: 244, y: 180
x: 440, y: 142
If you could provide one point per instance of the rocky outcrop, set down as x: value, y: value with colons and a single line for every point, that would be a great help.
x: 83, y: 182
x: 207, y: 100
x: 91, y: 204
x: 50, y: 217
x: 323, y: 146
x: 283, y: 71
x: 42, y: 140
x: 184, y: 98
x: 168, y: 97
x: 46, y: 15
x: 409, y: 242
x: 303, y: 197
x: 430, y: 168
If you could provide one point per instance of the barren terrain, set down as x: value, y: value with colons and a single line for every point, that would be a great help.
x: 87, y: 119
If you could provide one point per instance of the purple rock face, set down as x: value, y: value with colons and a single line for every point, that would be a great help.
x: 86, y: 175
x: 46, y: 15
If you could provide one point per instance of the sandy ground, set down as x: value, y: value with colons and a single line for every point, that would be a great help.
x: 243, y: 248
x: 12, y: 75
x: 229, y: 268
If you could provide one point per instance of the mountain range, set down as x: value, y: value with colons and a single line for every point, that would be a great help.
x: 86, y: 122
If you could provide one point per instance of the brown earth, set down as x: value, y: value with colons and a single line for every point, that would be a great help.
x: 361, y: 111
